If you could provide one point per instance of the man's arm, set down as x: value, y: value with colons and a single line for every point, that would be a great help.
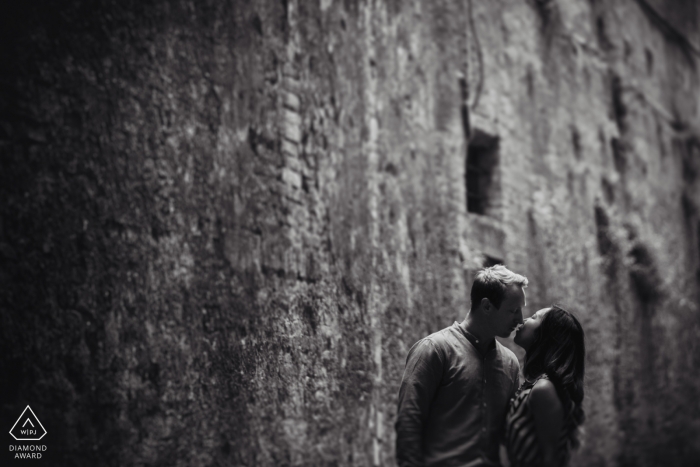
x: 514, y: 385
x: 421, y: 379
x: 515, y: 376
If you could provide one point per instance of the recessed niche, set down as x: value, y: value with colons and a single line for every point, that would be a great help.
x: 491, y: 261
x: 482, y: 174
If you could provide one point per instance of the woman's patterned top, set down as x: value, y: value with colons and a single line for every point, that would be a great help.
x: 521, y: 438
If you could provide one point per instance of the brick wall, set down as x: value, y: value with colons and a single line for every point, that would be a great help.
x: 225, y: 223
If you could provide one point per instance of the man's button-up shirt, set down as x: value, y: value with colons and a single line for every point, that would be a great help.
x: 453, y: 400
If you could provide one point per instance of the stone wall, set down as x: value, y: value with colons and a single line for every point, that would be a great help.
x: 225, y: 223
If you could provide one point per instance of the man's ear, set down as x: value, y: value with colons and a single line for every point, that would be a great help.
x: 486, y: 304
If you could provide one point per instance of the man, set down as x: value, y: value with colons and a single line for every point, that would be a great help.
x: 458, y: 381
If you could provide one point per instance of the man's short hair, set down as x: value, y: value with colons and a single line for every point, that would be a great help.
x: 492, y: 283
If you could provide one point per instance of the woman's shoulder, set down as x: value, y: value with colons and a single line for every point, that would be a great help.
x: 544, y: 394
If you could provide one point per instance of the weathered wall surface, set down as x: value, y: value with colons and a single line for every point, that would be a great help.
x: 223, y: 224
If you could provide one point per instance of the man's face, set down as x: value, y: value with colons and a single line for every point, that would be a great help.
x: 509, y: 315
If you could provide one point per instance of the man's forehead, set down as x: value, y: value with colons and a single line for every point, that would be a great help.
x: 515, y: 292
x: 515, y: 296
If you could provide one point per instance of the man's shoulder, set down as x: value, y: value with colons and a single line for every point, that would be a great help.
x: 438, y: 341
x: 433, y: 345
x: 441, y: 337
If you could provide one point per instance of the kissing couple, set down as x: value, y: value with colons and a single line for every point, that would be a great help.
x: 461, y: 395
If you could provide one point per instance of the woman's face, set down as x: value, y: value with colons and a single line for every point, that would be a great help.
x: 525, y: 335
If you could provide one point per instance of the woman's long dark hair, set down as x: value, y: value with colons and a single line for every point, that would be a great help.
x: 559, y: 351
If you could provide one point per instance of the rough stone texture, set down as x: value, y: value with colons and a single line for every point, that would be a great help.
x: 224, y: 223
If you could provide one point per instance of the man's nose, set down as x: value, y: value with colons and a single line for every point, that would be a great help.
x: 520, y: 317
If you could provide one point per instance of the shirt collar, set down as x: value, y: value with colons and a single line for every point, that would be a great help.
x: 473, y: 339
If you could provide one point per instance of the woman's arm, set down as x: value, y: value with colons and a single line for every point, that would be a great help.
x: 548, y: 413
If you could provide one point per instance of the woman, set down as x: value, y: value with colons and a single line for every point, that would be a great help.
x: 545, y: 415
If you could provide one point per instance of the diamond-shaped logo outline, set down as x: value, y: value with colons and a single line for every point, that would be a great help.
x: 20, y: 418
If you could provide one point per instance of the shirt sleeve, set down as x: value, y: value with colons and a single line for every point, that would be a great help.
x: 514, y: 385
x: 515, y: 375
x: 420, y: 382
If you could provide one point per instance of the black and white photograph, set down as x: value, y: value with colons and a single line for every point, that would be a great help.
x: 338, y: 233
